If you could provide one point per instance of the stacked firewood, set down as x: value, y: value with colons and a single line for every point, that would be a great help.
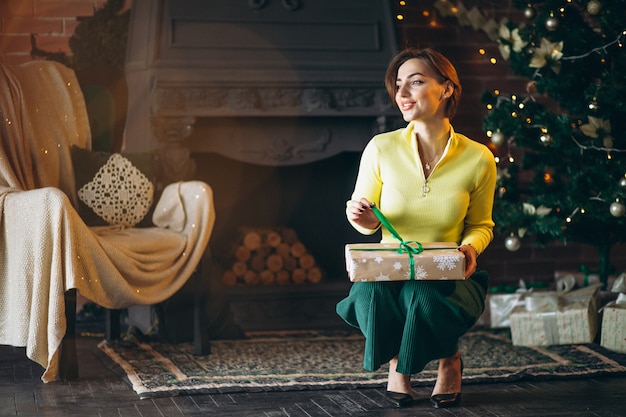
x: 271, y: 257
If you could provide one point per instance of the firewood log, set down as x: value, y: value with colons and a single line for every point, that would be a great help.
x: 298, y: 249
x: 239, y: 268
x: 283, y: 277
x: 283, y: 249
x: 251, y: 277
x: 290, y: 263
x: 314, y: 275
x: 267, y: 277
x: 289, y: 236
x: 252, y: 240
x: 306, y: 261
x: 242, y: 253
x: 274, y: 262
x: 298, y: 276
x: 273, y: 239
x: 257, y: 263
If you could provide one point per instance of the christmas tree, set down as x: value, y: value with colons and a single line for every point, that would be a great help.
x: 561, y: 143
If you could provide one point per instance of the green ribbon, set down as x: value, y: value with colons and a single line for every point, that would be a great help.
x: 404, y: 246
x: 588, y: 271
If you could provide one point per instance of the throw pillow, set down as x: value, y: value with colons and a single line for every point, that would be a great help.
x: 114, y: 188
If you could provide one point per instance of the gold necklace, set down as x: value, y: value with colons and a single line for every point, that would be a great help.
x: 427, y: 165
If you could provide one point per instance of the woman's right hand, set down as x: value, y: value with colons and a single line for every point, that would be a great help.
x: 360, y: 212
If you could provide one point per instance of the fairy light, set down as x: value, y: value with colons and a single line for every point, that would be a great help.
x: 399, y: 17
x: 493, y: 61
x: 482, y: 51
x: 569, y: 218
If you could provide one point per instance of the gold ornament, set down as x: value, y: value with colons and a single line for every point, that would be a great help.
x: 594, y: 7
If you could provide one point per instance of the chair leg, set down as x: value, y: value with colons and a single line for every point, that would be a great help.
x: 68, y: 360
x: 201, y: 344
x: 112, y: 324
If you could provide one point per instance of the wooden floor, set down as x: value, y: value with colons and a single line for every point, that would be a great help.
x: 102, y: 392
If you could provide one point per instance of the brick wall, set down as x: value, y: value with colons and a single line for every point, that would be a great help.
x: 53, y: 22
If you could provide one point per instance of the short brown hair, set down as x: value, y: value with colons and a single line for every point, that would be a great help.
x: 441, y: 65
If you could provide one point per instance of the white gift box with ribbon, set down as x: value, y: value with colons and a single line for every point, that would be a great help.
x: 613, y: 333
x: 556, y: 318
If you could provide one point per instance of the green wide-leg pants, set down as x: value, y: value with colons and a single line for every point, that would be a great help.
x: 418, y: 321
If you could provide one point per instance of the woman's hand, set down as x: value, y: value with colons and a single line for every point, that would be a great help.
x: 470, y: 259
x: 360, y: 212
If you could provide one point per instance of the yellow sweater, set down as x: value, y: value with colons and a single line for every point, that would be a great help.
x: 457, y: 207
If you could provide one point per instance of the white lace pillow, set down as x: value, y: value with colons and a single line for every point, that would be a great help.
x: 119, y: 192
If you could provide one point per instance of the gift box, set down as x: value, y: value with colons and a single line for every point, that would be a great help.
x: 613, y: 334
x: 501, y: 300
x: 500, y: 307
x: 401, y: 262
x: 551, y: 318
x: 575, y: 279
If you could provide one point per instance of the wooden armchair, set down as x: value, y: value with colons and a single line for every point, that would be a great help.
x: 48, y: 251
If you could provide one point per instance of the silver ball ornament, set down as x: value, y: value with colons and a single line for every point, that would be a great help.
x: 622, y: 182
x: 552, y: 23
x: 593, y: 106
x: 512, y: 243
x: 497, y: 138
x: 617, y: 209
x: 594, y: 7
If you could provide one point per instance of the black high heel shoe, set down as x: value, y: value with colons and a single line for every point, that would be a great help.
x: 400, y: 399
x: 447, y: 400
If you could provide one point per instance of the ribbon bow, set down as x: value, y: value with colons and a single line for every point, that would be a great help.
x: 404, y: 246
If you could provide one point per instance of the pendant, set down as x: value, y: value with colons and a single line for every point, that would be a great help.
x: 427, y: 166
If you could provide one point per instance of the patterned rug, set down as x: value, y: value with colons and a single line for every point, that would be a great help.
x: 319, y: 360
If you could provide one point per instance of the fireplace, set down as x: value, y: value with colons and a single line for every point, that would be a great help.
x: 270, y: 102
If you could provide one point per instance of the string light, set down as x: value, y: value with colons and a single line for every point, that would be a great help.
x: 617, y: 41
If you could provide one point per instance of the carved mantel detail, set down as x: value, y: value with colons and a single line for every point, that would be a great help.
x: 212, y: 101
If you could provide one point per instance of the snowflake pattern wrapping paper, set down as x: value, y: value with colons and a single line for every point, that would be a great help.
x: 383, y: 262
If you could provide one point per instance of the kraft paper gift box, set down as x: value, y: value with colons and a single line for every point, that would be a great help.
x: 390, y: 262
x: 551, y: 318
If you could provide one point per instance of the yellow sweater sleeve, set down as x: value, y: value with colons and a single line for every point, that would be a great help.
x: 457, y: 207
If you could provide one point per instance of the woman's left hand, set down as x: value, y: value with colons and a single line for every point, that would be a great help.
x: 470, y: 259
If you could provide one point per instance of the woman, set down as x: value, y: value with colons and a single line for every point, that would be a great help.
x: 433, y: 185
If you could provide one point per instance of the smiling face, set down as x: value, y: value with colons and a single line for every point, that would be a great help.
x: 420, y: 94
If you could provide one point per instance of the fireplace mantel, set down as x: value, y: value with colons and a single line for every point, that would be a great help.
x: 273, y: 82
